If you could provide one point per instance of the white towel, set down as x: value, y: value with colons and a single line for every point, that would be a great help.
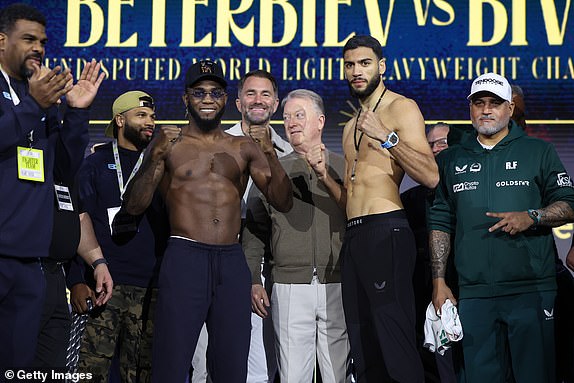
x: 441, y: 331
x: 451, y: 321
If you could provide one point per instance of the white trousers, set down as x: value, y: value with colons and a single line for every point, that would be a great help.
x: 199, y: 360
x: 310, y: 326
x: 261, y: 364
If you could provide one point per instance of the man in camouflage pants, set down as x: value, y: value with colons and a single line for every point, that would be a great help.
x: 133, y: 248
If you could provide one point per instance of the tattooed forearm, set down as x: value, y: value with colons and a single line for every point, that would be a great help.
x: 140, y: 190
x: 556, y: 214
x: 439, y: 243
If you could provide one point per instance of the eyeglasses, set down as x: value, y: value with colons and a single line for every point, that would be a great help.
x: 199, y: 93
x: 441, y: 143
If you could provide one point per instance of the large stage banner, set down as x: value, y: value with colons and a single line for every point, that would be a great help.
x: 433, y: 49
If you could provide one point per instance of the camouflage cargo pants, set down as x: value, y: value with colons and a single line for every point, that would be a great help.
x: 124, y: 323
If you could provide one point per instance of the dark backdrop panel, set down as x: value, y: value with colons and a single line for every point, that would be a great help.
x: 433, y: 49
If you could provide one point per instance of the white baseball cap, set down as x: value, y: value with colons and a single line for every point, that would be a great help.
x: 493, y: 83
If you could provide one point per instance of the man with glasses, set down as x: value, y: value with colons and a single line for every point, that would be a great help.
x: 257, y: 100
x: 437, y: 137
x: 202, y: 173
x: 500, y: 193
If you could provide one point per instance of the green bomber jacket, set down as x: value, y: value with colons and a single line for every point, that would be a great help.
x: 518, y: 174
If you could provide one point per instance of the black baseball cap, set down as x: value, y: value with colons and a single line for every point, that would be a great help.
x: 204, y: 70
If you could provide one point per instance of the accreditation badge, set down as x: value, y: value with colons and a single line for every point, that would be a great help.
x: 30, y: 164
x: 64, y: 198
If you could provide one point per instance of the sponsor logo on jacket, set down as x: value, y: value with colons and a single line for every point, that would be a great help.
x: 460, y: 169
x: 464, y: 186
x: 511, y: 165
x: 475, y: 167
x: 502, y: 184
x: 564, y: 180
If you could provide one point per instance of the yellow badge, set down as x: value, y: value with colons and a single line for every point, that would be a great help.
x: 30, y: 164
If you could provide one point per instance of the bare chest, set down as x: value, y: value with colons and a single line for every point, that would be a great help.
x: 197, y: 162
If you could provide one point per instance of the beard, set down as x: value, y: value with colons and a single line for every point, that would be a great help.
x: 26, y: 72
x: 490, y: 130
x: 205, y: 124
x: 134, y: 136
x: 371, y: 86
x: 257, y: 120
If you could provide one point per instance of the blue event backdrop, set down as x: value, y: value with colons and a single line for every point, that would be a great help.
x: 433, y: 50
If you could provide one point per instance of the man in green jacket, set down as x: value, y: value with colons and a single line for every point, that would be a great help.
x: 500, y: 193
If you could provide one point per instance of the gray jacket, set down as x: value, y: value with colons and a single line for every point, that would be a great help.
x: 306, y: 239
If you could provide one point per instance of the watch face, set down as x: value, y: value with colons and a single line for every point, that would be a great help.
x: 535, y: 215
x: 392, y: 140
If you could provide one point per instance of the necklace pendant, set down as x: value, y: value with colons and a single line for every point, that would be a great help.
x: 353, y: 170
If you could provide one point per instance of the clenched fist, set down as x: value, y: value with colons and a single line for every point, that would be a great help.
x: 262, y: 136
x: 316, y: 158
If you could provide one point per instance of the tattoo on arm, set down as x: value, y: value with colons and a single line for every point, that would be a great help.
x: 439, y: 243
x: 141, y: 188
x: 556, y: 214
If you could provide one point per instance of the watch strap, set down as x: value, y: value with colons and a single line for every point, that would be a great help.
x: 99, y: 261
